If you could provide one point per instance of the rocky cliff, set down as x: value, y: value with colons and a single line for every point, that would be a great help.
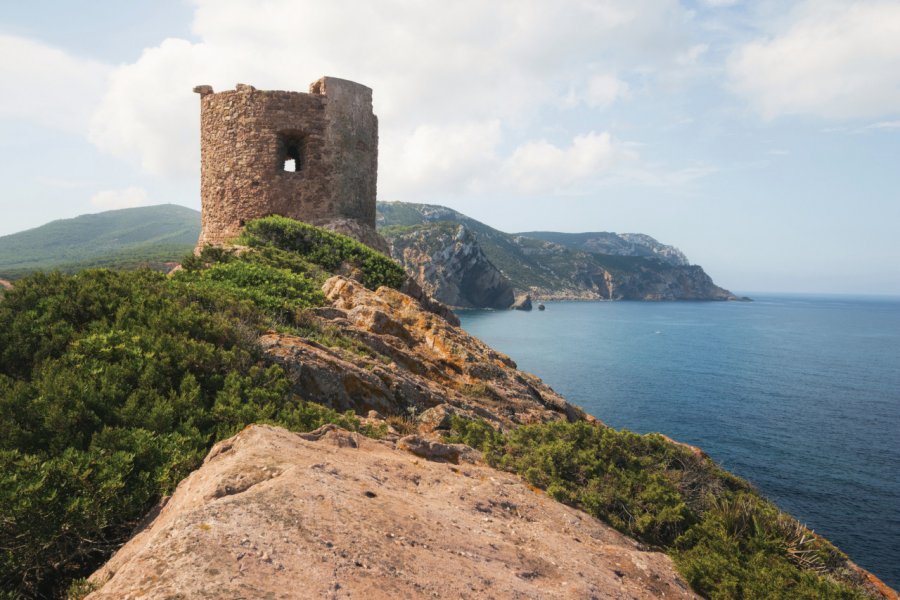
x: 449, y: 263
x: 415, y: 363
x: 547, y: 265
x: 616, y: 244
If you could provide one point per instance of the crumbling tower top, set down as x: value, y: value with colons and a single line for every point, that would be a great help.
x: 311, y: 157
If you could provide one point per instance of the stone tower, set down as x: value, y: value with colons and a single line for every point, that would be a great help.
x: 311, y: 157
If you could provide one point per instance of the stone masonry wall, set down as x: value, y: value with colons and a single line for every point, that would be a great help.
x: 247, y: 134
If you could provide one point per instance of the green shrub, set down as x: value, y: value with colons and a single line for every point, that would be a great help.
x: 113, y: 386
x: 276, y: 291
x: 726, y: 540
x: 329, y: 250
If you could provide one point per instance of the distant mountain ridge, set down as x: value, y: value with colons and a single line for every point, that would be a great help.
x: 547, y: 265
x: 618, y: 244
x: 125, y: 237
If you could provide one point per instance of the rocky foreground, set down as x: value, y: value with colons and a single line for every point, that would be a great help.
x: 331, y: 514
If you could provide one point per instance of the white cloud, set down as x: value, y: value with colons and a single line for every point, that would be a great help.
x: 599, y: 92
x: 127, y: 198
x: 542, y: 167
x: 451, y: 79
x: 603, y: 90
x: 720, y: 3
x: 835, y: 60
x: 451, y: 158
x: 885, y: 125
x: 48, y: 86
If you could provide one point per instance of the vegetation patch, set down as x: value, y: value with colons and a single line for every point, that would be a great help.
x: 114, y: 385
x: 329, y: 250
x: 725, y: 539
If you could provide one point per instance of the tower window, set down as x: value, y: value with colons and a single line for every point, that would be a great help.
x: 291, y: 146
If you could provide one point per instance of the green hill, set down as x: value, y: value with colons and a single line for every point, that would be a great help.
x: 127, y: 237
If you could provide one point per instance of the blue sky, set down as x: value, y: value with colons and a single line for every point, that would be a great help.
x: 762, y: 138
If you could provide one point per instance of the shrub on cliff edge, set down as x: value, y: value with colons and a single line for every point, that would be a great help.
x: 725, y: 539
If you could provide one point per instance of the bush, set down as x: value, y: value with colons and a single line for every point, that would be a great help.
x: 329, y: 250
x: 276, y: 291
x: 113, y: 386
x: 726, y: 540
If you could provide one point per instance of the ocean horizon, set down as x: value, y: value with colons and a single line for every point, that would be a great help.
x: 798, y: 393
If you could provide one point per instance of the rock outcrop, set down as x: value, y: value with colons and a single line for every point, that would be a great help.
x: 655, y: 284
x: 449, y: 264
x: 5, y: 285
x: 523, y: 302
x: 274, y: 514
x: 409, y: 360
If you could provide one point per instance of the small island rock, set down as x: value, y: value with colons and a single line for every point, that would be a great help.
x: 523, y: 302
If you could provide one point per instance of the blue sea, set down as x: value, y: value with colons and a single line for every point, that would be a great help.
x: 800, y: 395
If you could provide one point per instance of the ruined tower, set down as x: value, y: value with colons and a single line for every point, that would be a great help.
x: 311, y: 157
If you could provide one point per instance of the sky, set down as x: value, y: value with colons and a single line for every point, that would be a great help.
x: 761, y: 138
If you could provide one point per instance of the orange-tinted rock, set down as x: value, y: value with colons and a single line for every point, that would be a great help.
x: 273, y: 514
x: 418, y: 361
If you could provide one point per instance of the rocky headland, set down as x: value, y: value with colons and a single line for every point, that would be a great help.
x: 333, y: 513
x: 468, y: 264
x: 420, y: 461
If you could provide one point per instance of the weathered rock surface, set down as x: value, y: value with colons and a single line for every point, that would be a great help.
x: 523, y: 302
x: 274, y: 514
x: 450, y: 265
x: 416, y: 361
x: 6, y: 285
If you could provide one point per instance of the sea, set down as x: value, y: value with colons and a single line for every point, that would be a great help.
x: 798, y: 394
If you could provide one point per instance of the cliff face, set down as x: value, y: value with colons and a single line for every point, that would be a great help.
x: 447, y: 261
x: 331, y: 514
x: 547, y: 265
x: 678, y: 283
x: 414, y: 362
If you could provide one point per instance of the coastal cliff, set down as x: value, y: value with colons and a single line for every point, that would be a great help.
x: 449, y: 264
x: 546, y: 265
x: 454, y: 258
